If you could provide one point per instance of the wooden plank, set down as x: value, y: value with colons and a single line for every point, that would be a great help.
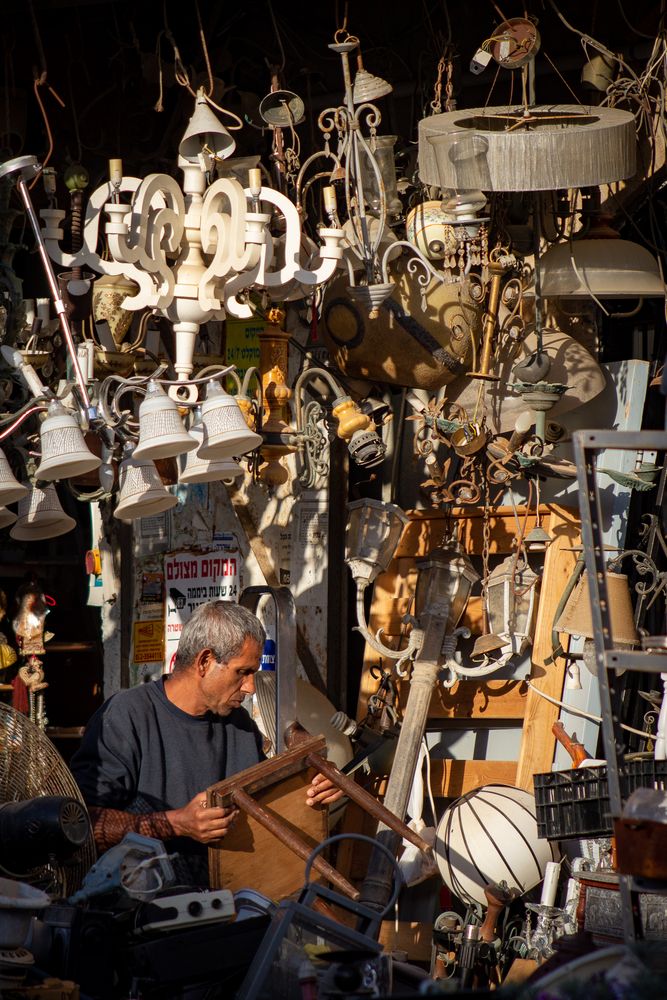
x: 425, y: 530
x: 251, y: 856
x: 538, y: 742
x: 481, y: 700
x: 451, y: 778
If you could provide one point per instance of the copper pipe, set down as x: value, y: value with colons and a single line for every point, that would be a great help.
x: 291, y: 840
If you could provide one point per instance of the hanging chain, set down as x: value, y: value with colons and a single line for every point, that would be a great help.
x: 486, y: 546
x: 436, y: 103
x: 444, y: 66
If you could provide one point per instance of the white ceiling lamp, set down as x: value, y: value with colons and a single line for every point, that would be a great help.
x: 226, y: 432
x: 605, y: 268
x: 11, y: 489
x: 40, y: 516
x: 161, y: 430
x: 64, y: 450
x: 194, y: 469
x: 142, y: 492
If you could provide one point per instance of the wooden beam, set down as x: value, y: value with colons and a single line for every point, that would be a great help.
x: 452, y: 778
x: 538, y: 742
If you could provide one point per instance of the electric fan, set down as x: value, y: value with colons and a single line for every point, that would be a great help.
x: 44, y: 825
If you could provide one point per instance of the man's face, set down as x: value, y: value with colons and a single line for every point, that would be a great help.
x: 224, y: 686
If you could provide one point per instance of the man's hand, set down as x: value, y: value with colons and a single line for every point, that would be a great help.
x: 322, y: 792
x: 201, y: 822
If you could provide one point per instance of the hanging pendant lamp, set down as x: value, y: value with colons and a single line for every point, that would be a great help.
x: 64, y: 450
x: 226, y: 432
x: 161, y: 430
x: 40, y: 516
x: 142, y: 492
x: 194, y: 469
x: 10, y: 488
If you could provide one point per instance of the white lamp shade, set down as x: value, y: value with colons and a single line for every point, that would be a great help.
x: 488, y: 836
x: 7, y: 517
x: 41, y: 516
x: 313, y: 711
x: 161, y: 430
x: 194, y: 469
x: 142, y: 492
x: 64, y: 450
x: 10, y: 488
x: 609, y: 268
x: 226, y: 432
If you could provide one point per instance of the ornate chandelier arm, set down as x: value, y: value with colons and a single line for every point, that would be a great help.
x: 415, y: 639
x: 142, y: 237
x: 418, y: 260
x: 52, y: 231
x: 330, y: 253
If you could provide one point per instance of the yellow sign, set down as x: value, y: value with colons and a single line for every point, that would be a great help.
x: 242, y: 343
x: 149, y: 642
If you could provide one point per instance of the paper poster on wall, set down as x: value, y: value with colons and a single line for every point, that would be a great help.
x: 191, y: 579
x: 148, y: 642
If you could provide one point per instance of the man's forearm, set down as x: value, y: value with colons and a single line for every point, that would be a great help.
x: 111, y: 825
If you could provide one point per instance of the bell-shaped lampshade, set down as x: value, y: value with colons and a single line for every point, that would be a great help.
x: 41, y: 516
x: 446, y: 578
x: 373, y: 531
x: 161, y: 430
x: 226, y: 432
x: 10, y: 488
x: 64, y: 451
x: 141, y: 491
x: 193, y: 469
x: 368, y: 87
x: 577, y: 618
x: 7, y: 517
x: 610, y: 268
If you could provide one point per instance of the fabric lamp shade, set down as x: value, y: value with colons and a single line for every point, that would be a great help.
x: 142, y: 493
x: 64, y: 451
x: 161, y: 430
x: 40, y: 516
x: 577, y: 618
x: 226, y: 432
x: 11, y: 489
x: 193, y: 469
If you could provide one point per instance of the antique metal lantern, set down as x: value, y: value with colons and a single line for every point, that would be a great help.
x: 446, y: 578
x: 373, y: 532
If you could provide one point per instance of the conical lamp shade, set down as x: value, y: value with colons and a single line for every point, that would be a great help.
x: 204, y: 129
x: 577, y: 618
x: 64, y: 451
x: 610, y: 268
x: 194, y: 469
x: 10, y: 488
x: 161, y: 430
x: 141, y: 492
x: 7, y: 517
x: 368, y: 87
x: 41, y: 516
x: 225, y: 431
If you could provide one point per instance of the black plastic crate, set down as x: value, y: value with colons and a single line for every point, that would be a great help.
x: 571, y: 804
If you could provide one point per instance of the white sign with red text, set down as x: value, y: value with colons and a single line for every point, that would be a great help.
x: 191, y: 579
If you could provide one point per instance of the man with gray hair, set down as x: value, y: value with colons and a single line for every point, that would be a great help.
x: 150, y: 752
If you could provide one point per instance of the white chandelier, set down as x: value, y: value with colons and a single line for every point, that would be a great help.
x: 195, y: 250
